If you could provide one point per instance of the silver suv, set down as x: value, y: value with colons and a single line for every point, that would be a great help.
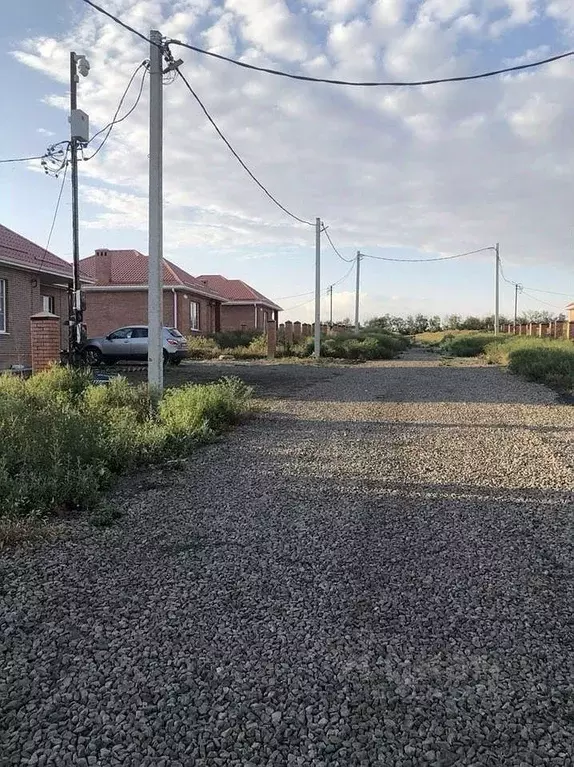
x: 130, y: 343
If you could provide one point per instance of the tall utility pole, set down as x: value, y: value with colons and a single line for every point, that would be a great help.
x: 330, y: 306
x: 357, y: 291
x: 155, y: 259
x: 517, y: 290
x: 317, y: 349
x: 497, y: 289
x: 79, y: 134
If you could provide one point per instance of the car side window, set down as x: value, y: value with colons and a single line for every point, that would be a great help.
x: 139, y: 333
x: 121, y: 333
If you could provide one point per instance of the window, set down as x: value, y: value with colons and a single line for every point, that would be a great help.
x: 121, y: 333
x: 49, y: 304
x: 139, y: 333
x: 3, y: 308
x: 194, y: 315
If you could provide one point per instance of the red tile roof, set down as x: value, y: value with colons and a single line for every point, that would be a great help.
x: 236, y: 290
x: 130, y: 267
x: 18, y: 250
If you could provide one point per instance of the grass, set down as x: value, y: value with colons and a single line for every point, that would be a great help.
x: 545, y: 361
x: 63, y: 439
x: 435, y: 338
x: 360, y: 347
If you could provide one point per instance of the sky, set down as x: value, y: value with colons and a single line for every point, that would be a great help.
x: 396, y: 172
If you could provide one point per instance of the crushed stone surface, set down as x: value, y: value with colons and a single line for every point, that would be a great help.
x: 377, y: 569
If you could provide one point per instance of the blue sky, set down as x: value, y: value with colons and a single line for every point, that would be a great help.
x: 402, y: 173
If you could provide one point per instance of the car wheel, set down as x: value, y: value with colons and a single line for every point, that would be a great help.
x: 176, y: 361
x: 93, y: 356
x: 165, y: 357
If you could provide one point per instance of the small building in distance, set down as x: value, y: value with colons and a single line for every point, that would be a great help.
x: 119, y: 295
x: 245, y: 308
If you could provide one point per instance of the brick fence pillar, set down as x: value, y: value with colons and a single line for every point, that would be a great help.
x: 296, y: 332
x: 271, y: 339
x: 45, y: 340
x: 288, y: 333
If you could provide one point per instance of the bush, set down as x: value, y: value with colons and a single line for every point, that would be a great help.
x: 202, y: 348
x: 231, y: 339
x: 467, y: 345
x: 62, y: 438
x: 362, y: 347
x: 546, y: 361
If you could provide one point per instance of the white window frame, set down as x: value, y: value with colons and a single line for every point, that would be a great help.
x: 51, y: 304
x: 194, y: 315
x: 3, y: 305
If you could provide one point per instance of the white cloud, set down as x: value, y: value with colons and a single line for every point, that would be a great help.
x: 446, y: 168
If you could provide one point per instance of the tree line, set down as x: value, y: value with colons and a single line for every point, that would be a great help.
x: 420, y: 323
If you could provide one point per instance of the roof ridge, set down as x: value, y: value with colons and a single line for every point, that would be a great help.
x: 174, y: 274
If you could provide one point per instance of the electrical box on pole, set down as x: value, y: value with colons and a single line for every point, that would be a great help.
x: 79, y: 126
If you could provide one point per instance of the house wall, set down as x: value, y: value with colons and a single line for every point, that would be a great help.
x: 23, y: 300
x: 107, y: 310
x: 235, y: 317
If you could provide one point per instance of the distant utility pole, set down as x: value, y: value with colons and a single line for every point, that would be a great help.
x: 155, y: 258
x: 517, y: 290
x: 330, y: 291
x: 357, y: 291
x: 317, y: 348
x: 79, y: 135
x: 497, y: 290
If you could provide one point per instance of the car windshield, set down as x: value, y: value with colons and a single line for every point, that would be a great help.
x: 174, y: 332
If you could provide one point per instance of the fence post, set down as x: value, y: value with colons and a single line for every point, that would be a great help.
x: 296, y: 332
x: 271, y: 339
x: 288, y: 334
x: 45, y: 339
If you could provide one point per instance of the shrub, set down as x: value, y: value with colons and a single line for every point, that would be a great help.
x: 364, y: 346
x: 231, y: 339
x: 467, y: 345
x: 62, y: 438
x: 546, y: 361
x: 202, y: 348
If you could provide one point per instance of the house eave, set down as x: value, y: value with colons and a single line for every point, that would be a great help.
x: 40, y: 269
x: 144, y: 287
x: 265, y: 304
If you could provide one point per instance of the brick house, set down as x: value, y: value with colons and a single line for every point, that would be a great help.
x: 244, y: 308
x: 32, y: 280
x: 119, y: 295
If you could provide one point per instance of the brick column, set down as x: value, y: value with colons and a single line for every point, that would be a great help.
x: 288, y: 333
x: 45, y: 340
x: 296, y: 332
x: 271, y: 339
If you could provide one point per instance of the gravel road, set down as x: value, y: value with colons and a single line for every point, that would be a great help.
x: 377, y: 570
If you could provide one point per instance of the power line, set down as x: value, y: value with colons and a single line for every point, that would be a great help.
x: 297, y: 295
x: 344, y: 277
x: 553, y: 306
x: 376, y: 83
x: 118, y: 21
x: 427, y: 260
x: 535, y: 290
x: 22, y: 159
x: 55, y: 216
x: 327, y: 81
x: 237, y: 157
x: 348, y: 260
x: 109, y: 127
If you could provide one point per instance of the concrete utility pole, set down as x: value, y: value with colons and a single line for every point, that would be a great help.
x: 155, y: 258
x: 357, y: 291
x: 317, y: 349
x: 330, y: 306
x: 517, y: 290
x: 79, y: 134
x: 497, y: 289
